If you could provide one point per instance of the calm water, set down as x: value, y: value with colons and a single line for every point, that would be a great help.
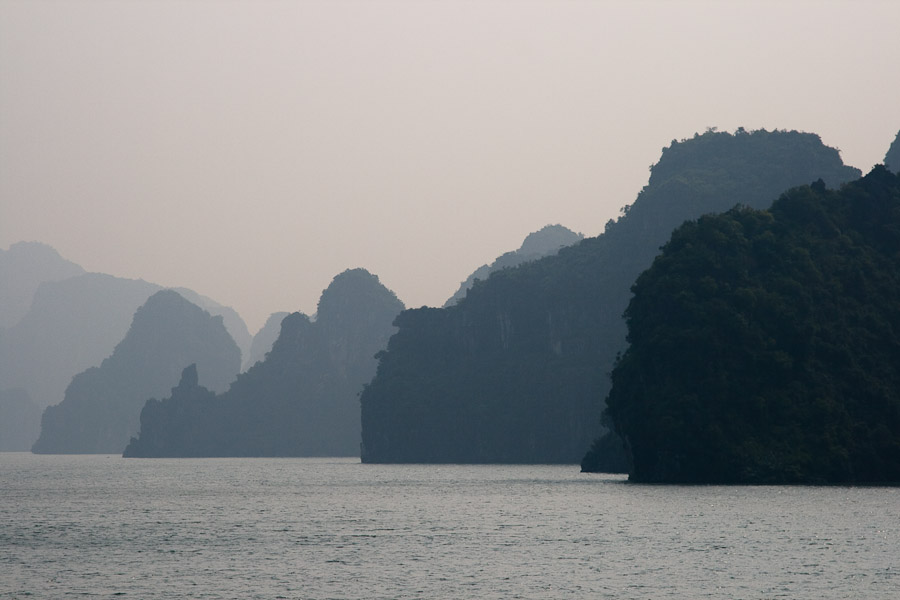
x: 103, y: 526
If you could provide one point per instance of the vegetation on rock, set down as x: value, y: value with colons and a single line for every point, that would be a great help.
x: 765, y: 344
x: 517, y: 370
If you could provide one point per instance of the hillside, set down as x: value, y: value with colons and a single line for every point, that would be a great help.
x: 75, y: 323
x: 516, y: 371
x: 301, y: 400
x: 546, y: 241
x: 101, y: 407
x: 264, y: 340
x: 765, y: 345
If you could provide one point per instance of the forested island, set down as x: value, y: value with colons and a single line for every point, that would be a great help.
x: 781, y: 309
x: 765, y: 344
x: 301, y: 400
x: 516, y: 371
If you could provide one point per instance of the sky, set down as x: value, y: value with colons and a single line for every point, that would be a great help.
x: 252, y: 150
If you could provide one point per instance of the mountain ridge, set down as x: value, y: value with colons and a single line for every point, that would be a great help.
x: 517, y: 370
x: 301, y: 400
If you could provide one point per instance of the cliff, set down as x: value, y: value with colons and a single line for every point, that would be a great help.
x: 101, y: 407
x: 764, y: 345
x: 301, y: 400
x: 75, y: 323
x: 544, y: 242
x: 264, y: 340
x: 516, y: 371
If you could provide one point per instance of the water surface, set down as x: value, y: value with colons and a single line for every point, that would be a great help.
x: 103, y: 526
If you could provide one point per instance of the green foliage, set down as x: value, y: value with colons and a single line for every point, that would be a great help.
x: 606, y: 455
x: 515, y: 372
x: 765, y: 345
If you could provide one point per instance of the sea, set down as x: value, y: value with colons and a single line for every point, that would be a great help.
x: 100, y: 526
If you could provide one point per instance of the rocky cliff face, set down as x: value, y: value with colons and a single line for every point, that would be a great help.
x: 302, y: 400
x: 101, y: 407
x: 185, y: 409
x: 764, y: 345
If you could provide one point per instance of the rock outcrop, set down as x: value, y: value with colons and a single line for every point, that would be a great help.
x: 302, y: 400
x: 545, y: 242
x: 517, y: 371
x: 75, y: 323
x: 101, y: 408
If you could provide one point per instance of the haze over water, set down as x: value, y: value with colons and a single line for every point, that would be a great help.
x: 102, y: 526
x: 252, y: 150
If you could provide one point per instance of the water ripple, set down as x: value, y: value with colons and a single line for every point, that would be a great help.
x: 98, y: 526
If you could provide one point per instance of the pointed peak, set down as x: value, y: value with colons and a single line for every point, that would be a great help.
x: 189, y: 377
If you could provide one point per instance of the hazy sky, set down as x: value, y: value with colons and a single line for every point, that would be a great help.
x: 251, y: 150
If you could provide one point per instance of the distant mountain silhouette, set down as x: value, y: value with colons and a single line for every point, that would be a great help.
x: 517, y: 370
x: 22, y: 269
x: 72, y: 325
x: 102, y: 405
x: 302, y: 400
x: 892, y: 158
x: 75, y: 323
x: 264, y: 340
x: 20, y: 421
x: 548, y: 240
x: 235, y: 325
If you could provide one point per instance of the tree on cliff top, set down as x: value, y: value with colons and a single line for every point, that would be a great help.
x: 765, y: 345
x: 517, y: 370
